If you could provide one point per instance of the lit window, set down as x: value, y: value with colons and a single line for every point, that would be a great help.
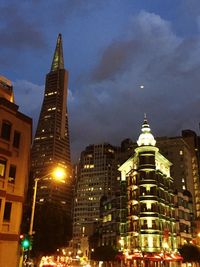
x: 181, y: 152
x: 149, y: 223
x: 183, y: 187
x: 148, y: 205
x: 150, y: 241
x: 43, y: 187
x: 88, y: 166
x: 2, y: 167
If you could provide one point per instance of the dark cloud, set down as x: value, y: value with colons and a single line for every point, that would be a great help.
x: 17, y: 30
x: 114, y: 59
x: 112, y: 104
x: 106, y: 102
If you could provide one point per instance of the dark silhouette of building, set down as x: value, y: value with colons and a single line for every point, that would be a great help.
x: 51, y: 148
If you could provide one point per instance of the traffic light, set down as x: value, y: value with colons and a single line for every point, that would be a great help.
x: 25, y: 242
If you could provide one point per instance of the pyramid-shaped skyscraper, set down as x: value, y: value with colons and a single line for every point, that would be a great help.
x: 51, y: 146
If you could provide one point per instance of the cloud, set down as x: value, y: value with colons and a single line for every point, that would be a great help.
x: 28, y: 97
x: 107, y: 103
x: 18, y: 31
x: 111, y: 105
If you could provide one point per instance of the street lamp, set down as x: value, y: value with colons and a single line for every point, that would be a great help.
x: 59, y: 175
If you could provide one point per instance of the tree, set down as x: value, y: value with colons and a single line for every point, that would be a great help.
x: 104, y: 253
x: 190, y: 253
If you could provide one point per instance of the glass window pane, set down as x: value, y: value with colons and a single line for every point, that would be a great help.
x: 7, y: 211
x: 2, y: 167
x: 16, y: 140
x: 12, y: 174
x: 6, y: 130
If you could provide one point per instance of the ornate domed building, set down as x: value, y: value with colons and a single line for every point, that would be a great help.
x: 151, y: 225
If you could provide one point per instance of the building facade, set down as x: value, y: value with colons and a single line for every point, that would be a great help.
x: 182, y: 151
x: 51, y: 146
x: 97, y: 176
x: 51, y: 150
x: 151, y: 223
x: 184, y: 213
x: 15, y: 144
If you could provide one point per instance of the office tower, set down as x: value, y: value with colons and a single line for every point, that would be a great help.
x: 51, y: 145
x: 51, y: 149
x: 97, y: 176
x: 151, y: 233
x: 182, y: 151
x: 184, y: 217
x: 15, y: 144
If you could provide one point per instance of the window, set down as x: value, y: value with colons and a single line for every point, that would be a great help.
x: 6, y: 130
x: 7, y: 211
x: 16, y: 139
x: 12, y: 174
x: 2, y: 167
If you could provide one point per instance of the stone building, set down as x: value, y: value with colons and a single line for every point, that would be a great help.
x: 15, y: 143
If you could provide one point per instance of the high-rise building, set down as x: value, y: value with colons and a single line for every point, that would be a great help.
x: 97, y: 176
x: 151, y: 225
x: 51, y: 146
x: 15, y: 144
x: 51, y: 149
x: 182, y: 151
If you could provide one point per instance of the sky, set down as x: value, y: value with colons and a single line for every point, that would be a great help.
x: 124, y: 57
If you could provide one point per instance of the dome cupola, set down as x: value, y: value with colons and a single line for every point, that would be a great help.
x: 146, y: 138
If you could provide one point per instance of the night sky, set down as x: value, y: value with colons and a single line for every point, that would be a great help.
x: 111, y: 48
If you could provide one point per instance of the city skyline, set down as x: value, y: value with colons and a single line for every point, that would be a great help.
x: 123, y: 58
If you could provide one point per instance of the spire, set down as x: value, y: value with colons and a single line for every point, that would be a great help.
x: 146, y: 138
x: 58, y: 61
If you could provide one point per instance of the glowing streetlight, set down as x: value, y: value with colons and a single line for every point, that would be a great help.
x: 57, y: 174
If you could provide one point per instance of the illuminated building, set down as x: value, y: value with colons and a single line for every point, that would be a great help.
x: 185, y: 217
x: 51, y: 149
x: 51, y: 146
x: 183, y: 152
x: 151, y: 224
x: 97, y: 176
x: 110, y: 226
x: 15, y: 143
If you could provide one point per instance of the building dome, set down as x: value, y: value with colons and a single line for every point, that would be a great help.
x: 146, y: 138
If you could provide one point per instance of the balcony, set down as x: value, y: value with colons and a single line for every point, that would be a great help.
x: 146, y: 166
x: 148, y: 197
x: 146, y: 228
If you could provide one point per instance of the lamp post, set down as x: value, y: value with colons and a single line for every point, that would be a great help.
x: 58, y: 174
x: 33, y: 206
